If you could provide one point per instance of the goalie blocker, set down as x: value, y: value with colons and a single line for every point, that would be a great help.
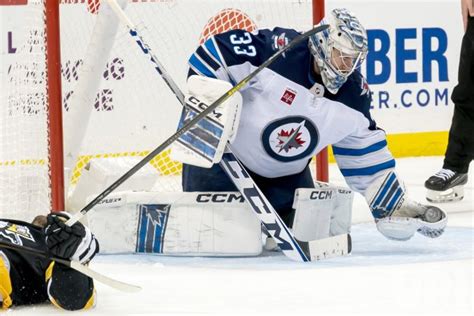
x: 209, y: 223
x: 204, y: 144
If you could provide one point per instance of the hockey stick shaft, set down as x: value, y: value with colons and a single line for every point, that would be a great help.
x: 297, y: 250
x: 277, y: 228
x: 146, y: 49
x: 121, y: 286
x: 190, y: 124
x: 262, y: 208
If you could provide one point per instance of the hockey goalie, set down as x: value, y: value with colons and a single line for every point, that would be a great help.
x: 311, y: 97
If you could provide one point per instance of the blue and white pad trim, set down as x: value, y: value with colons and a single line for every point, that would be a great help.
x: 207, y: 59
x: 152, y: 222
x: 203, y: 138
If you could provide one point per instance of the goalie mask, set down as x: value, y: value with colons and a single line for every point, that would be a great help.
x: 340, y: 49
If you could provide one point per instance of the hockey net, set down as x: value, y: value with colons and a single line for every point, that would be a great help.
x: 116, y: 107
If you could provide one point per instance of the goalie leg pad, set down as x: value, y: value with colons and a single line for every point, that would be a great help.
x: 341, y: 216
x: 189, y: 223
x: 322, y: 212
x: 312, y: 214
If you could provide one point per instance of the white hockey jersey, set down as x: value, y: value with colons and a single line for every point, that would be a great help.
x: 285, y: 119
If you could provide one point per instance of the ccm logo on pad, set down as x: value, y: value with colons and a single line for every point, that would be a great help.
x: 320, y: 195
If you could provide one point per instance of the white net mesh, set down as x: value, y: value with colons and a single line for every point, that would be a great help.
x: 125, y: 109
x: 24, y: 180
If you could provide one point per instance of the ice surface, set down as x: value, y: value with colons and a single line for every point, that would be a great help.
x: 383, y: 277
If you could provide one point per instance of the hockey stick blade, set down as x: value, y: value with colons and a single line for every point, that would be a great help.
x: 326, y: 248
x: 191, y: 123
x: 118, y: 285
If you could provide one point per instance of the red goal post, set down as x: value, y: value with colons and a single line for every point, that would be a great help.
x: 322, y: 161
x: 54, y: 99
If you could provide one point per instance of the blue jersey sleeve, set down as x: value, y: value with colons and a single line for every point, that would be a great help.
x: 355, y: 94
x: 363, y: 156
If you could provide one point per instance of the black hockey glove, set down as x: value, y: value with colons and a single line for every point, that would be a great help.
x: 74, y: 242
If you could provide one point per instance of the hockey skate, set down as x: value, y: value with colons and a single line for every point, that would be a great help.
x: 446, y: 186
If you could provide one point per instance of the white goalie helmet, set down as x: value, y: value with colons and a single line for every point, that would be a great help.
x: 340, y: 49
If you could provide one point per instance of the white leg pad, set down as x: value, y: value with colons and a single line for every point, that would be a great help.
x: 191, y: 223
x: 341, y: 217
x: 322, y: 212
x: 312, y: 214
x: 100, y: 173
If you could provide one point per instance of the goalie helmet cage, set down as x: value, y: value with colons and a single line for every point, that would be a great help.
x: 72, y: 53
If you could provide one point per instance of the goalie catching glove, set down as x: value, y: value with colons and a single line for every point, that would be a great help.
x: 74, y: 242
x: 203, y: 145
x: 397, y: 216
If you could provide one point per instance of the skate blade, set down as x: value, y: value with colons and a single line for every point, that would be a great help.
x: 450, y: 195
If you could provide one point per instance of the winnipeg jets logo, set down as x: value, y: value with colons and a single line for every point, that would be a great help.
x: 279, y: 42
x: 290, y: 138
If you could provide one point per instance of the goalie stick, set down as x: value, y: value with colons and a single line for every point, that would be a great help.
x: 293, y: 248
x: 290, y: 246
x: 190, y: 123
x: 121, y: 286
